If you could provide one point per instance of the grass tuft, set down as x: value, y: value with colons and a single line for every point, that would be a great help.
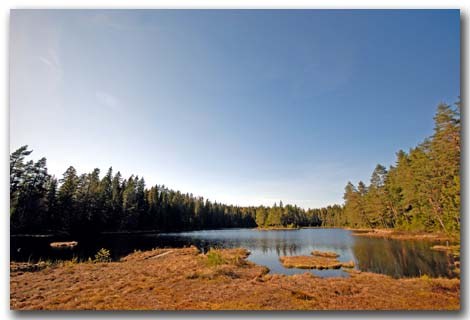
x: 214, y: 258
x: 103, y: 255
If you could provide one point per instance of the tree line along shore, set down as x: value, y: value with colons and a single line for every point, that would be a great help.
x: 419, y: 193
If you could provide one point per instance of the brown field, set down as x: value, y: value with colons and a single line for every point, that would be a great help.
x: 184, y: 279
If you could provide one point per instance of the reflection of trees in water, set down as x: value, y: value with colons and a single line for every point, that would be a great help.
x: 400, y: 258
x: 393, y: 257
x: 266, y: 245
x: 281, y: 247
x: 397, y: 258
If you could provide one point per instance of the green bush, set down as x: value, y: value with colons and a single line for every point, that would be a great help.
x: 103, y: 255
x: 214, y: 258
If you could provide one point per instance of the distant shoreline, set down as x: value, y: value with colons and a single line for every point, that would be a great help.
x: 361, y: 232
x: 277, y: 228
x: 402, y: 235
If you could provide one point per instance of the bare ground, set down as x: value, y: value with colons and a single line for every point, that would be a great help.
x: 181, y: 279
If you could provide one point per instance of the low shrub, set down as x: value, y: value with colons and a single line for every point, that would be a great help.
x: 214, y: 258
x: 103, y: 255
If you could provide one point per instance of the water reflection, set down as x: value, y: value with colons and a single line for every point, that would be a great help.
x: 400, y: 258
x: 392, y: 257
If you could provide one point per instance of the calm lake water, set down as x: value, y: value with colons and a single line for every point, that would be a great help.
x: 396, y: 258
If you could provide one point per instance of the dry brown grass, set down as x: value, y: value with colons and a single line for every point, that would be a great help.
x: 307, y: 262
x: 349, y: 264
x: 400, y: 235
x: 453, y: 249
x: 326, y: 254
x: 181, y: 280
x: 315, y: 262
x: 67, y: 244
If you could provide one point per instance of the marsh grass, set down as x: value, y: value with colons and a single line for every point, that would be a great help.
x: 102, y: 256
x: 183, y: 280
x: 214, y: 258
x: 326, y: 254
x: 314, y: 262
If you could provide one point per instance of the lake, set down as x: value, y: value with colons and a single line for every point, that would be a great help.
x: 397, y: 258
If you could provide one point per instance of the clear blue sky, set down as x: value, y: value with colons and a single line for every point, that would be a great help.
x: 243, y: 107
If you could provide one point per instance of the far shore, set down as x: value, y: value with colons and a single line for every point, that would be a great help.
x: 276, y: 228
x: 379, y: 233
x: 403, y: 235
x: 361, y: 232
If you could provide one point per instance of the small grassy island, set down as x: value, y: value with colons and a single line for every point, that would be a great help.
x: 327, y: 254
x: 315, y: 262
x: 318, y: 260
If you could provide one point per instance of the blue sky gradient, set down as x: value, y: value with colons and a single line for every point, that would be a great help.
x: 242, y: 107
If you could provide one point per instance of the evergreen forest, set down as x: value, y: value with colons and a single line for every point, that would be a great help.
x: 420, y: 192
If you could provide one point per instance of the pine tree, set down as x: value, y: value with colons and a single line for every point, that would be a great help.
x: 17, y: 168
x: 67, y: 197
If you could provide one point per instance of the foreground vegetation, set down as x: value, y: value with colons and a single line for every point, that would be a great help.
x: 185, y: 279
x: 421, y: 192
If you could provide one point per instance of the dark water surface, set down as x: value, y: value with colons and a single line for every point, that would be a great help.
x: 397, y: 258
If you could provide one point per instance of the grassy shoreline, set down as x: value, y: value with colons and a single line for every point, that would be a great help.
x: 185, y: 279
x: 403, y: 235
x: 281, y: 228
x: 380, y: 233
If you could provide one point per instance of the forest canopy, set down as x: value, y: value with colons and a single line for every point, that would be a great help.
x: 421, y: 191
